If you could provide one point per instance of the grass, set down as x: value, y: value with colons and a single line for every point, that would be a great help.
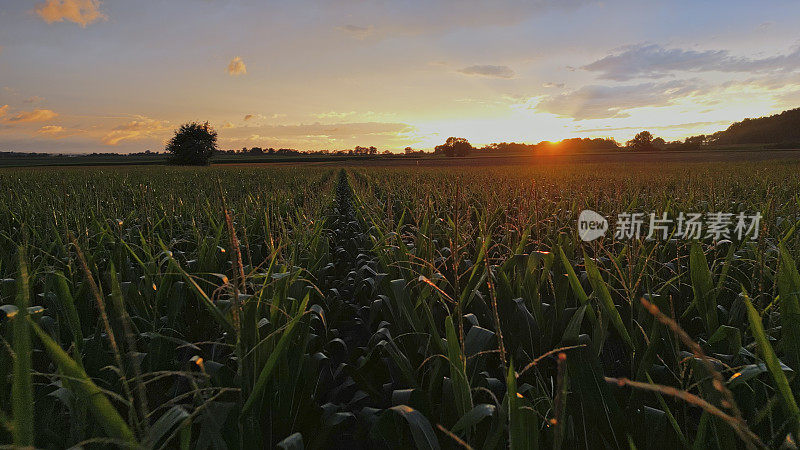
x: 428, y: 307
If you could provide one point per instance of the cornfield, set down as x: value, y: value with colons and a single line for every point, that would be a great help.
x: 452, y: 307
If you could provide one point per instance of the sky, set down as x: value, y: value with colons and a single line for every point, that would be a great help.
x: 81, y: 76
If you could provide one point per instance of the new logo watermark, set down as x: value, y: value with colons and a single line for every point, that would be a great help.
x: 715, y: 225
x: 591, y: 225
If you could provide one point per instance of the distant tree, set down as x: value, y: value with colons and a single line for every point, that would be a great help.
x: 372, y: 150
x: 641, y: 142
x: 696, y: 140
x: 454, y: 146
x: 193, y: 144
x: 659, y: 143
x: 408, y: 150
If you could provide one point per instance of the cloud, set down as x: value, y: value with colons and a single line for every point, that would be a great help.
x: 339, y: 130
x: 37, y: 115
x: 654, y: 61
x: 357, y: 31
x: 51, y: 129
x: 140, y: 128
x: 3, y: 110
x: 237, y: 67
x: 249, y: 117
x: 553, y: 85
x: 334, y: 115
x: 33, y: 99
x: 597, y: 102
x: 82, y: 12
x: 654, y: 127
x: 322, y: 133
x: 228, y: 125
x: 488, y: 71
x: 764, y: 26
x: 57, y: 132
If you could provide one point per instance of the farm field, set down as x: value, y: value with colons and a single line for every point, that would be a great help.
x: 358, y: 306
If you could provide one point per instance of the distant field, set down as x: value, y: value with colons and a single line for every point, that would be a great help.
x: 400, y: 306
x: 740, y: 153
x: 590, y: 157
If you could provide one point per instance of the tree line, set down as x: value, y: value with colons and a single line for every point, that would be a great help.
x: 196, y: 143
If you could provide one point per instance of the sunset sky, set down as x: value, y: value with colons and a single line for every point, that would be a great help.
x: 118, y: 76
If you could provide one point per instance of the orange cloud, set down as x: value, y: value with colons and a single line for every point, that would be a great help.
x: 237, y: 66
x: 37, y: 115
x: 51, y: 129
x: 142, y: 127
x: 3, y: 110
x: 82, y: 12
x: 57, y: 132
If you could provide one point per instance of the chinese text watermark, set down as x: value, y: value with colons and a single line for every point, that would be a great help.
x: 713, y: 225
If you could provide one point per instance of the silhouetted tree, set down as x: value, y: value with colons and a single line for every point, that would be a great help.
x: 454, y: 146
x: 778, y: 128
x: 193, y: 144
x: 640, y: 142
x: 696, y: 140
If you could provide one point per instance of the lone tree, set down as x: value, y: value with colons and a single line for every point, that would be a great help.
x: 454, y: 146
x: 641, y: 142
x: 193, y: 144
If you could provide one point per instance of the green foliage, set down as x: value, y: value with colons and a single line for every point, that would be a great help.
x: 22, y: 388
x: 454, y: 146
x: 193, y: 144
x: 394, y: 307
